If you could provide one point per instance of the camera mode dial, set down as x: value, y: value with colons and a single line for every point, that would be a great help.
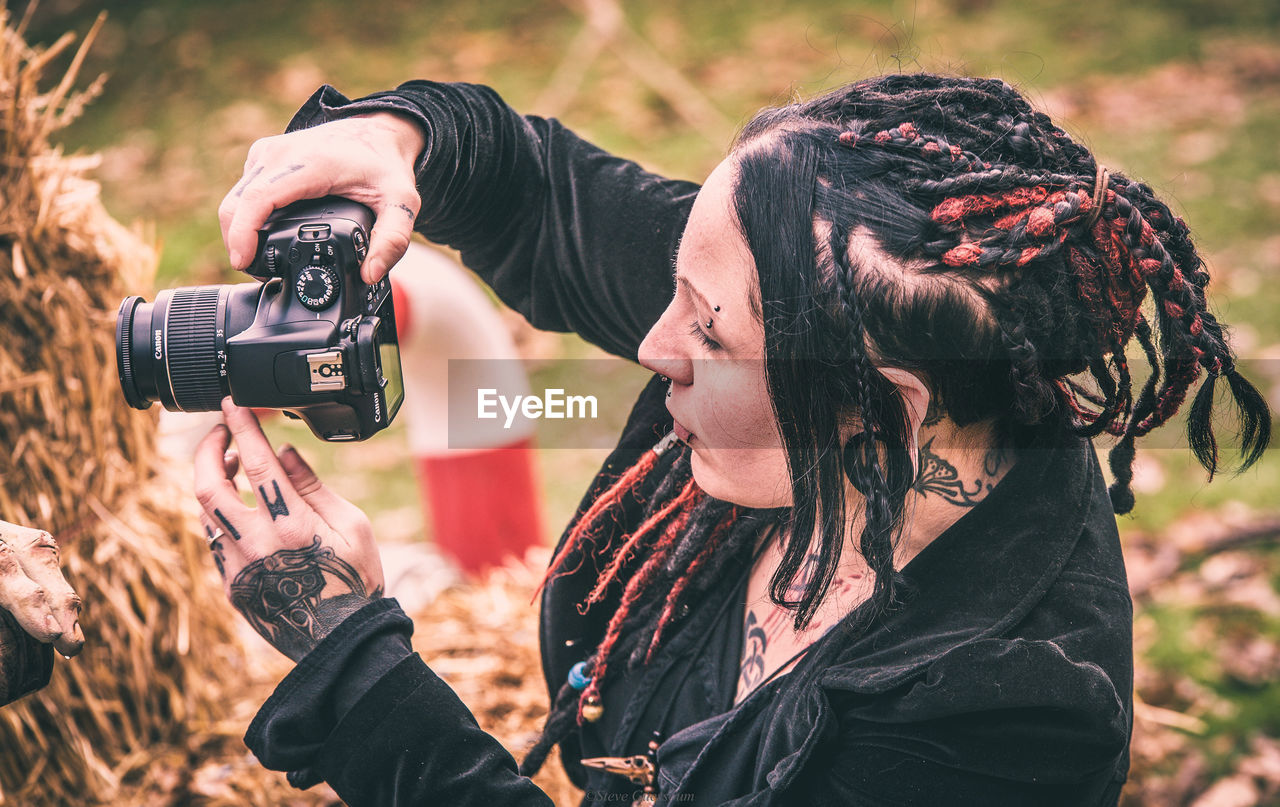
x: 317, y: 286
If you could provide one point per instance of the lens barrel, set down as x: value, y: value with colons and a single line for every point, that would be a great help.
x: 172, y: 350
x: 191, y: 338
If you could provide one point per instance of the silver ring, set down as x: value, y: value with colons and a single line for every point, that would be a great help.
x: 217, y: 533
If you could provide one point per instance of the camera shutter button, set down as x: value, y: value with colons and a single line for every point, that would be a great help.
x: 358, y: 241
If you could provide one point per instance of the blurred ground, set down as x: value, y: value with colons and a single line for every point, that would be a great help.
x: 1182, y: 93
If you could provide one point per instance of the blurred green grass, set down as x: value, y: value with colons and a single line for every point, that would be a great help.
x: 1184, y: 94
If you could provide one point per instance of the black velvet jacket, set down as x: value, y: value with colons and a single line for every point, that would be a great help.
x: 1005, y: 679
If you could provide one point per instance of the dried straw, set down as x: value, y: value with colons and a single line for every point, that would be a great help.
x: 78, y: 462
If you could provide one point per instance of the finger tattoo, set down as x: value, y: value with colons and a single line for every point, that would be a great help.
x: 408, y: 211
x: 244, y: 183
x: 232, y: 531
x: 278, y: 507
x: 293, y: 169
x: 219, y: 558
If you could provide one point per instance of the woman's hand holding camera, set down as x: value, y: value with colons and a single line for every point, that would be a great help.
x: 366, y: 158
x: 302, y: 560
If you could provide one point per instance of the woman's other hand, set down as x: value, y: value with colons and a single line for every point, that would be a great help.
x: 302, y: 560
x: 366, y: 158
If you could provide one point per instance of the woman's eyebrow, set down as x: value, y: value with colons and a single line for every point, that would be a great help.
x: 692, y: 290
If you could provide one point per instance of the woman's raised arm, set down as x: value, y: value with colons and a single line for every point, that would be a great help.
x: 570, y: 236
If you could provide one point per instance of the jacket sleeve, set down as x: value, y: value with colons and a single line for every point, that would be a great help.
x: 571, y: 237
x: 364, y: 713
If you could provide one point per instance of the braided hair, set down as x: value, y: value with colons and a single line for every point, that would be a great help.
x: 939, y: 225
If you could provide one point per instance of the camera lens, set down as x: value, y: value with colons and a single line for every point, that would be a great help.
x: 124, y: 352
x: 173, y: 350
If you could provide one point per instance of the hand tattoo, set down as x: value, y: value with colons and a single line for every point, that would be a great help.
x: 283, y: 596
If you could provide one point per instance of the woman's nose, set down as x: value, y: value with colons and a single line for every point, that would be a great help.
x: 662, y: 352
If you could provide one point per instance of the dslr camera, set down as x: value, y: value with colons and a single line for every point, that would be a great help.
x: 311, y: 338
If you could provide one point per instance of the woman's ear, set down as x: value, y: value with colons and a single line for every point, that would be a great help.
x: 916, y: 396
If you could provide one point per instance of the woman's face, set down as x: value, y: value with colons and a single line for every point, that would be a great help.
x: 719, y: 395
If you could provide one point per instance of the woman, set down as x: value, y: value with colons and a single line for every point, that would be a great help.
x: 853, y: 545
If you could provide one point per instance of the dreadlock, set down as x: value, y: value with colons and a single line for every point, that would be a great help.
x: 685, y: 539
x: 934, y: 224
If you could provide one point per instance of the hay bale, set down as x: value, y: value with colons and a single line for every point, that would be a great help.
x: 153, y: 710
x: 145, y: 704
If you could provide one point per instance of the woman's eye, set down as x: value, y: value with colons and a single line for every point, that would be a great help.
x: 707, y: 341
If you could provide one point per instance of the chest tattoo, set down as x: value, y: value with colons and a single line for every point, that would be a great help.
x: 768, y: 627
x: 756, y: 642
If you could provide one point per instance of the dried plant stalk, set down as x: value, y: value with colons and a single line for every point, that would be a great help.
x: 162, y: 654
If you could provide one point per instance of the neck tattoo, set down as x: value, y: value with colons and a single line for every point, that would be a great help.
x: 940, y: 478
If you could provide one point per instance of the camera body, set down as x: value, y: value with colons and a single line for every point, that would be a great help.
x: 311, y: 339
